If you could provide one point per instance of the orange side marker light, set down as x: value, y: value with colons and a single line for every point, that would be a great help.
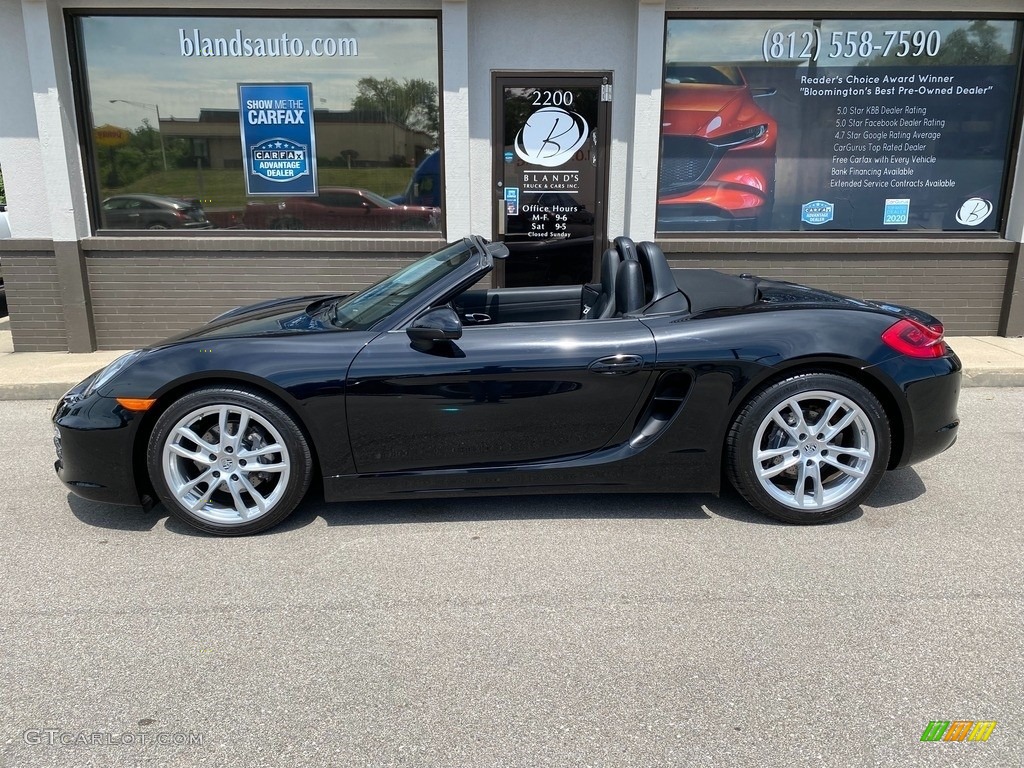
x: 136, y: 403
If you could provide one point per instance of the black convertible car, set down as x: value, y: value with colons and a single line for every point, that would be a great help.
x: 654, y: 380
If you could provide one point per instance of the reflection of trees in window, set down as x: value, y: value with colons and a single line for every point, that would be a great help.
x: 411, y: 103
x: 140, y: 156
x: 973, y: 45
x: 348, y: 155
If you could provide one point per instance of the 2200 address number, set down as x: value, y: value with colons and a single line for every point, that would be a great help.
x: 552, y: 98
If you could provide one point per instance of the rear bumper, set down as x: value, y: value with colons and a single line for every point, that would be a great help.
x: 93, y: 439
x: 932, y: 390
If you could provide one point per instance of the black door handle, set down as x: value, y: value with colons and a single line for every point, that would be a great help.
x: 617, y: 364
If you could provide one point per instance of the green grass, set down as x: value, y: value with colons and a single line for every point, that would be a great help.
x: 226, y: 189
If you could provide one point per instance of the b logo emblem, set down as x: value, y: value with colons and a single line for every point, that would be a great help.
x: 974, y: 211
x: 551, y: 137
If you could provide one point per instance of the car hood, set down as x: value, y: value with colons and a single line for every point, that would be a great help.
x: 294, y: 314
x: 709, y: 110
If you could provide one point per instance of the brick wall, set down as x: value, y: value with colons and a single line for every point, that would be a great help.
x: 139, y: 298
x: 143, y: 291
x: 33, y: 298
x: 964, y: 290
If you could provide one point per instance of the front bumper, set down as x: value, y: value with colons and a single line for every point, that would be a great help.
x: 703, y: 218
x: 93, y: 439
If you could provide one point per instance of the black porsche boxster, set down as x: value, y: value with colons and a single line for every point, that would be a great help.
x: 654, y: 380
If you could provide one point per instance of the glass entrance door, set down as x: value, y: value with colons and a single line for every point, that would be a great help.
x: 551, y: 176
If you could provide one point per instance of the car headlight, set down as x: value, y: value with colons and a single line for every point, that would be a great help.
x: 112, y: 370
x: 739, y: 137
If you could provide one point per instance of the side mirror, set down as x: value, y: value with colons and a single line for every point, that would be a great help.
x: 434, y: 325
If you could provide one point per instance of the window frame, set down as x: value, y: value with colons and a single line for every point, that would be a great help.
x: 1014, y: 144
x: 88, y: 149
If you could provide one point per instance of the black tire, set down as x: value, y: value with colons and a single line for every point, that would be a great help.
x: 838, y: 472
x: 236, y: 485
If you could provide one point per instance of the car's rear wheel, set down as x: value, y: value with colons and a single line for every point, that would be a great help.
x: 289, y: 222
x: 229, y: 461
x: 157, y: 225
x: 809, y: 448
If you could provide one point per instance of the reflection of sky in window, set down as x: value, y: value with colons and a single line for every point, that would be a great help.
x: 740, y: 40
x: 139, y: 59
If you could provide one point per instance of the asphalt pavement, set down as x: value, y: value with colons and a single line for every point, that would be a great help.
x: 538, y: 631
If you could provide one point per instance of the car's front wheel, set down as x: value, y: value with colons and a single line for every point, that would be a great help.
x: 229, y: 461
x: 809, y: 448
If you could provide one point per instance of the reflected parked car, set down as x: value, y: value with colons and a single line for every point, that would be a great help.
x: 341, y: 208
x: 145, y: 211
x: 718, y: 151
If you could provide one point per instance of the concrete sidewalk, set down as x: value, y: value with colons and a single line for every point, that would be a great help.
x: 989, y: 361
x: 43, y: 375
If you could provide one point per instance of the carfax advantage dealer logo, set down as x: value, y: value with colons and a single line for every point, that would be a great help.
x: 958, y: 730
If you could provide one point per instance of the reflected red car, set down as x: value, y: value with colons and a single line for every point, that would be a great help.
x: 718, y: 151
x: 340, y: 208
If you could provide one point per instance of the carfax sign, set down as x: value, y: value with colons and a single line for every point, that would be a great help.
x: 277, y: 138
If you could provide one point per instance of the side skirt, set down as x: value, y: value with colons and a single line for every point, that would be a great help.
x: 683, y: 472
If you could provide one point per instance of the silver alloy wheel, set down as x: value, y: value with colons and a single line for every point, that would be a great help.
x: 814, y: 450
x: 226, y: 464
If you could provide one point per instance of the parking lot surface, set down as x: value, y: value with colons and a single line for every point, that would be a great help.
x: 536, y: 631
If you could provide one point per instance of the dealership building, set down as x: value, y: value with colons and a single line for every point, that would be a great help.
x: 165, y: 163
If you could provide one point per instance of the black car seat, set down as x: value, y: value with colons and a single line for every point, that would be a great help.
x: 661, y: 293
x: 629, y: 288
x: 625, y: 247
x: 604, y: 305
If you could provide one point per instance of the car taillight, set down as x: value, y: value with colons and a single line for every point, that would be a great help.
x: 914, y: 339
x: 180, y: 214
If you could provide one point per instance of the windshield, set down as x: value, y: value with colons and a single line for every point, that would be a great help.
x: 382, y: 202
x: 360, y: 312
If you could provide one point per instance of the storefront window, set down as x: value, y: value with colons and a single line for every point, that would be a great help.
x: 262, y: 123
x: 836, y: 124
